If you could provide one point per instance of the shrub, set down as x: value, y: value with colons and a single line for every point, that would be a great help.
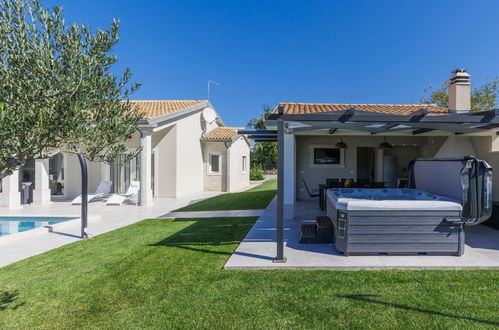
x: 256, y: 173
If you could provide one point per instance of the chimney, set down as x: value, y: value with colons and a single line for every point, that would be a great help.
x: 460, y: 91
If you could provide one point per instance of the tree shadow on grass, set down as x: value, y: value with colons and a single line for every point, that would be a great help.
x: 371, y: 298
x: 8, y: 300
x: 209, y: 232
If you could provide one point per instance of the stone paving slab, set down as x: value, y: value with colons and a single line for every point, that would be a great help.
x: 258, y: 249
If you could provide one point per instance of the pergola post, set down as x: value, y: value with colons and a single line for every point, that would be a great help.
x: 280, y: 193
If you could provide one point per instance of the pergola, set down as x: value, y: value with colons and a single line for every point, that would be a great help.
x: 419, y: 122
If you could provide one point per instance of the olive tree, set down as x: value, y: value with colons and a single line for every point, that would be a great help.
x: 58, y: 91
x: 263, y: 154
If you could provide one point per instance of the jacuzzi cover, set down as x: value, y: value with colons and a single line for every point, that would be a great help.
x: 466, y: 179
x: 390, y: 199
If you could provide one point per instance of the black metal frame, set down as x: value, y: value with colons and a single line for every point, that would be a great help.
x: 84, y: 195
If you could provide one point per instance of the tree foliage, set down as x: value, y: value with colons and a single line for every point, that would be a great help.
x: 58, y: 89
x: 483, y: 97
x: 263, y: 154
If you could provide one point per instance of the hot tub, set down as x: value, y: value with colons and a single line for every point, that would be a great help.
x: 395, y: 221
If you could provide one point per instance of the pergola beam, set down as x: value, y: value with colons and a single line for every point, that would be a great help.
x: 256, y: 131
x: 265, y: 139
x: 422, y: 131
x: 373, y: 117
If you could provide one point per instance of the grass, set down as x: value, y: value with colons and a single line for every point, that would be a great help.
x: 168, y: 274
x: 253, y: 199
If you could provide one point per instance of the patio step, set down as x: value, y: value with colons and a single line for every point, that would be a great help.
x: 308, y: 233
x: 324, y: 229
x: 319, y: 232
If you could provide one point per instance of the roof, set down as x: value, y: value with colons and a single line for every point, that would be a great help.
x: 158, y: 108
x: 395, y: 109
x: 222, y: 134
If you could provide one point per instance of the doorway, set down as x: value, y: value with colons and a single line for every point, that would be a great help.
x: 365, y: 164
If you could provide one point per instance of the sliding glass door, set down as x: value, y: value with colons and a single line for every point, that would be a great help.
x: 122, y: 174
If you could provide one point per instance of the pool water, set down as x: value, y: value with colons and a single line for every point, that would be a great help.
x: 12, y: 225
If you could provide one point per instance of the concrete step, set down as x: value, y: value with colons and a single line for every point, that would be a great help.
x: 308, y: 233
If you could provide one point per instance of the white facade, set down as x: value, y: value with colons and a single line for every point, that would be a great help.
x: 172, y: 163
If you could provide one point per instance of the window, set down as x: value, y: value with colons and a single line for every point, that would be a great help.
x: 323, y: 156
x: 244, y: 166
x: 214, y: 166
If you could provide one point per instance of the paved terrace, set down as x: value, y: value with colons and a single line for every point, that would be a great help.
x: 258, y: 249
x: 101, y: 220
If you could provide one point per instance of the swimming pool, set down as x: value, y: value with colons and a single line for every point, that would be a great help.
x: 12, y: 225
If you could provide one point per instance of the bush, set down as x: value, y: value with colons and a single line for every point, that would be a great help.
x: 256, y: 173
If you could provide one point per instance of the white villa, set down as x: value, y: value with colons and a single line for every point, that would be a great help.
x: 186, y: 149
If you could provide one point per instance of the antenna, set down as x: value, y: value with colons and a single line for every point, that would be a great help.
x: 211, y: 82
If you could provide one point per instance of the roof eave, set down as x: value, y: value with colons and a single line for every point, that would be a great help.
x: 165, y: 119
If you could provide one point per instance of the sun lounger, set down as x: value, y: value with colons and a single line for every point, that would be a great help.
x: 101, y: 192
x: 131, y: 194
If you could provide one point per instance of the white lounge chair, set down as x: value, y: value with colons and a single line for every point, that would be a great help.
x: 101, y: 192
x: 131, y: 194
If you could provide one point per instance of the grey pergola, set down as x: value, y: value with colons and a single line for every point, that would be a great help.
x: 417, y: 123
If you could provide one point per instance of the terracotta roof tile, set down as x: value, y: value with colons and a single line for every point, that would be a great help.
x: 158, y: 108
x: 221, y: 133
x: 397, y: 109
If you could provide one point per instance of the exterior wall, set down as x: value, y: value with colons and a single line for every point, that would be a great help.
x: 237, y: 178
x: 189, y: 155
x: 433, y: 145
x: 179, y: 166
x: 215, y: 182
x: 165, y: 167
x: 72, y: 176
x: 456, y: 146
x: 315, y: 176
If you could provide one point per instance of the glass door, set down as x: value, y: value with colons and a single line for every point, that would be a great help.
x: 123, y: 174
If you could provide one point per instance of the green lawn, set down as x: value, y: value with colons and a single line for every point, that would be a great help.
x: 253, y: 199
x: 168, y: 274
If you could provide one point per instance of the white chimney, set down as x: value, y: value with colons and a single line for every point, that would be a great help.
x: 460, y: 92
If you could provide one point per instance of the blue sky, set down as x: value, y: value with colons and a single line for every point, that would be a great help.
x: 297, y: 51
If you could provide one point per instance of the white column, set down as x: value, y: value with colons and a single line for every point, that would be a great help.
x: 145, y: 168
x: 41, y: 193
x: 378, y: 165
x: 289, y: 176
x: 10, y: 196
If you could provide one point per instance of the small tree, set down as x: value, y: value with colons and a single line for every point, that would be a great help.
x: 483, y: 97
x: 59, y: 92
x: 264, y: 154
